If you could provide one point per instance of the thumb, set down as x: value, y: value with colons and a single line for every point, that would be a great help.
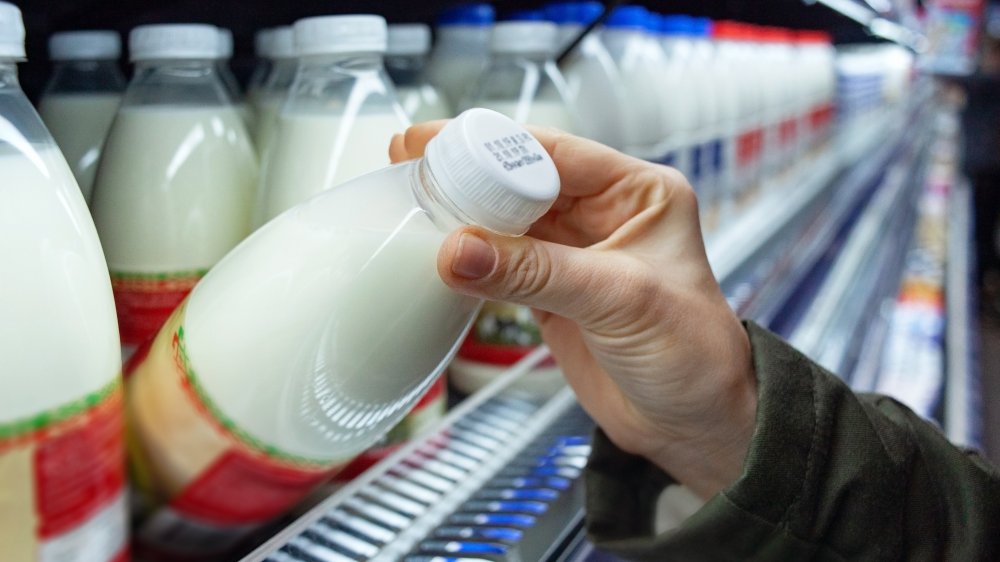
x: 576, y: 283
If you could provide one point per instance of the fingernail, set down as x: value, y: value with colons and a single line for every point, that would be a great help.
x: 474, y: 258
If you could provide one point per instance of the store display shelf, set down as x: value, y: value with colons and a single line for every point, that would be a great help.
x: 962, y: 397
x: 865, y: 271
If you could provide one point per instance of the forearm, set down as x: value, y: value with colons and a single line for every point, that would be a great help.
x: 828, y: 475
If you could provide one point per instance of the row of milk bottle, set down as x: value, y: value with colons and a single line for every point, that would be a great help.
x: 294, y: 353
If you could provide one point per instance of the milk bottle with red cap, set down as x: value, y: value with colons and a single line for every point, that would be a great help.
x: 239, y: 411
x: 62, y: 479
x: 82, y: 97
x: 175, y: 185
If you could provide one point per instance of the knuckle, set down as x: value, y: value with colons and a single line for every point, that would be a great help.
x: 528, y: 272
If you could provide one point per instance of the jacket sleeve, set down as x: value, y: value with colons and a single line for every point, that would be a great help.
x: 830, y: 475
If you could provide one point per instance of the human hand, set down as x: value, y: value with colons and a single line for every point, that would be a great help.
x: 620, y: 283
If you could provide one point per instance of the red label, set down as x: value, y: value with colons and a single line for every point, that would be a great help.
x: 145, y: 302
x: 242, y: 488
x: 787, y: 131
x: 473, y: 349
x: 746, y: 148
x: 81, y: 469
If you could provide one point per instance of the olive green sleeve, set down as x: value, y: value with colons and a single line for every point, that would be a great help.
x: 830, y: 475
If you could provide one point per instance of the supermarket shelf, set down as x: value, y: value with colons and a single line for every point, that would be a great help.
x: 962, y: 395
x: 867, y: 269
x: 735, y: 254
x: 738, y: 249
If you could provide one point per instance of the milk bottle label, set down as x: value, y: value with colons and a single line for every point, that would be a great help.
x: 63, y: 473
x: 206, y: 480
x: 503, y: 334
x: 144, y: 301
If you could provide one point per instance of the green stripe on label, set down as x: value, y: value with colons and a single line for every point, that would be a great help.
x: 159, y: 276
x: 48, y: 418
x: 259, y: 446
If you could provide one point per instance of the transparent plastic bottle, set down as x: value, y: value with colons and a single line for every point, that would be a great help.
x: 461, y: 51
x: 639, y: 60
x: 340, y: 114
x: 61, y: 426
x: 274, y: 91
x: 405, y: 61
x: 681, y: 106
x: 82, y: 97
x: 522, y: 80
x: 242, y: 410
x: 263, y: 50
x: 225, y: 54
x: 175, y: 186
x: 593, y: 84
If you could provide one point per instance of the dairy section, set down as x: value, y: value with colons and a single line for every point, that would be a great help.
x: 230, y: 331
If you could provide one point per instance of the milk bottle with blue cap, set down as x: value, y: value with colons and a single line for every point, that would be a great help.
x: 241, y: 410
x: 82, y: 97
x: 62, y: 479
x: 461, y: 50
x: 639, y: 60
x: 593, y: 84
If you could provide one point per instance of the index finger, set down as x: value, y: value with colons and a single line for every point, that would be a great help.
x: 585, y: 167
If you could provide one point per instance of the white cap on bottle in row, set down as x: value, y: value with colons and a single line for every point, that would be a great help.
x: 85, y: 45
x: 408, y: 39
x: 525, y: 37
x: 173, y: 41
x: 493, y: 170
x: 283, y: 42
x: 11, y: 32
x: 330, y: 35
x: 225, y: 43
x: 263, y: 40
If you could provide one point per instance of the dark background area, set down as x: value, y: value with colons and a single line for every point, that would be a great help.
x: 244, y: 17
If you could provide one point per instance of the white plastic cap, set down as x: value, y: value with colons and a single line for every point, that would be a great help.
x: 525, y: 37
x: 225, y: 44
x: 330, y: 35
x: 283, y: 43
x: 11, y: 32
x: 262, y: 43
x: 493, y: 170
x: 85, y: 45
x: 409, y: 39
x: 173, y: 41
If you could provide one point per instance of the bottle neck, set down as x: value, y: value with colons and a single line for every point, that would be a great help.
x: 537, y: 57
x: 86, y: 76
x: 432, y: 198
x: 8, y: 75
x: 347, y: 61
x: 405, y: 70
x: 189, y: 82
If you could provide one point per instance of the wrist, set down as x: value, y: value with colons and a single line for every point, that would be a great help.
x: 710, y: 459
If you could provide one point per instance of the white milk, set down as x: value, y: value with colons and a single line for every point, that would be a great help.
x: 268, y: 110
x: 422, y: 103
x: 334, y: 306
x: 173, y: 194
x: 56, y: 300
x: 168, y: 163
x: 313, y: 152
x: 60, y: 359
x: 546, y: 113
x: 79, y: 123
